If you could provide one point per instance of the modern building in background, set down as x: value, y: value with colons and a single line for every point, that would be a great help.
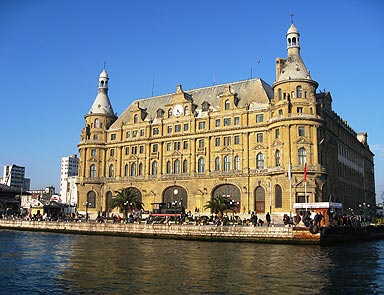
x: 264, y: 147
x: 14, y: 175
x: 69, y: 171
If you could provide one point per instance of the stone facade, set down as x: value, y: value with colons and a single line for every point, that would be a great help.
x: 262, y: 147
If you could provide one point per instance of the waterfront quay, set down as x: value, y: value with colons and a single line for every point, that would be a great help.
x: 263, y: 234
x: 260, y: 234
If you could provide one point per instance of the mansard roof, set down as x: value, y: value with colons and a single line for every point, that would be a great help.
x: 248, y: 92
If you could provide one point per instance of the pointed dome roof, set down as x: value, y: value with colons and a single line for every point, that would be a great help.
x: 102, y: 104
x: 292, y: 29
x: 103, y: 74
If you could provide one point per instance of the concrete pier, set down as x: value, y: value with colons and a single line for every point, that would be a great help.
x: 262, y: 234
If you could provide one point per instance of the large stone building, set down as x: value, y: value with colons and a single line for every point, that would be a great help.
x: 236, y: 139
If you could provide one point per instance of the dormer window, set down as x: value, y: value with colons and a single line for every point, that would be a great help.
x: 186, y: 110
x: 227, y: 105
x: 136, y: 119
x: 160, y: 113
x: 169, y: 113
x: 205, y: 106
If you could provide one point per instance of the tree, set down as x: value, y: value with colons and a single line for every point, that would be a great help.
x: 219, y: 204
x: 128, y: 200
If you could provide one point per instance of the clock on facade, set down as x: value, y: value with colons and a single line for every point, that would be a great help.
x: 178, y: 110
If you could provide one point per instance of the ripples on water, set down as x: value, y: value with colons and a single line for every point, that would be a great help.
x: 43, y: 263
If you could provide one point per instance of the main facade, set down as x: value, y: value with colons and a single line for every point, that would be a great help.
x: 264, y: 148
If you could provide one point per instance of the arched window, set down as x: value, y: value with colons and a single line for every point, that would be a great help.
x: 168, y: 167
x: 292, y: 94
x: 278, y: 197
x: 237, y: 163
x: 141, y: 169
x: 92, y: 171
x: 260, y: 161
x: 302, y: 156
x: 279, y: 94
x: 133, y: 169
x: 227, y: 104
x: 217, y: 164
x: 227, y: 163
x: 169, y: 113
x: 111, y: 170
x: 299, y: 92
x: 185, y: 166
x: 176, y: 167
x: 294, y: 41
x: 136, y: 119
x: 126, y: 170
x: 186, y: 110
x: 96, y: 123
x: 277, y: 157
x: 201, y: 165
x: 154, y: 168
x: 91, y: 199
x: 289, y: 41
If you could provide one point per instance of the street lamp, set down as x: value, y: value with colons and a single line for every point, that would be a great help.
x: 87, y: 204
x: 365, y: 208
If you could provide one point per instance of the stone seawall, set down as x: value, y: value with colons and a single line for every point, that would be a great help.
x: 262, y: 234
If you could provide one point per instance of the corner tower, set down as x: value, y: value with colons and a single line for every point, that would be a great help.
x: 92, y: 148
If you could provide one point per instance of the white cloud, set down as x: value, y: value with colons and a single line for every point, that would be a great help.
x: 378, y: 150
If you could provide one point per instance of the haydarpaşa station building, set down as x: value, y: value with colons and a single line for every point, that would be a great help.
x: 264, y: 148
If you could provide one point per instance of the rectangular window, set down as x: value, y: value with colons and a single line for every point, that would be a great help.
x: 177, y: 128
x: 227, y: 121
x: 201, y: 143
x: 134, y: 150
x: 141, y: 132
x: 95, y: 136
x: 299, y: 110
x: 237, y: 139
x: 277, y: 133
x: 155, y: 147
x: 227, y: 140
x: 128, y: 134
x: 217, y: 141
x: 113, y: 136
x: 112, y: 152
x: 141, y: 149
x: 169, y: 146
x: 127, y: 150
x: 259, y: 118
x: 301, y: 131
x: 185, y: 144
x: 134, y: 133
x: 217, y: 123
x: 169, y: 129
x: 202, y: 125
x: 186, y: 127
x: 155, y: 131
x: 259, y: 137
x: 176, y: 145
x: 236, y: 121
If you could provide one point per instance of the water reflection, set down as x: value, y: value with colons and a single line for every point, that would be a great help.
x: 75, y: 264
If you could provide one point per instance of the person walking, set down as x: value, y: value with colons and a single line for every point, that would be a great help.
x: 268, y: 218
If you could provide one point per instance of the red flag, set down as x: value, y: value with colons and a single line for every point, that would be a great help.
x: 305, y: 171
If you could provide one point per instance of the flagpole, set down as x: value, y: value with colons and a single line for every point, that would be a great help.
x: 290, y: 188
x: 305, y: 187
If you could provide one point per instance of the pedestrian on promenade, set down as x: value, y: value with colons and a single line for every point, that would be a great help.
x: 268, y: 218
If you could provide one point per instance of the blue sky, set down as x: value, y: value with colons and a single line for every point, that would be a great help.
x: 53, y: 51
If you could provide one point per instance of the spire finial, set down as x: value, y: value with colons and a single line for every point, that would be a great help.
x: 104, y: 64
x: 292, y: 17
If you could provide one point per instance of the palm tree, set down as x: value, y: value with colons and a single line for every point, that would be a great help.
x: 219, y: 204
x: 128, y: 200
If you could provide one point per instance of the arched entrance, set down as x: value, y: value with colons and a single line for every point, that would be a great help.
x: 259, y: 200
x: 175, y: 199
x: 229, y: 192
